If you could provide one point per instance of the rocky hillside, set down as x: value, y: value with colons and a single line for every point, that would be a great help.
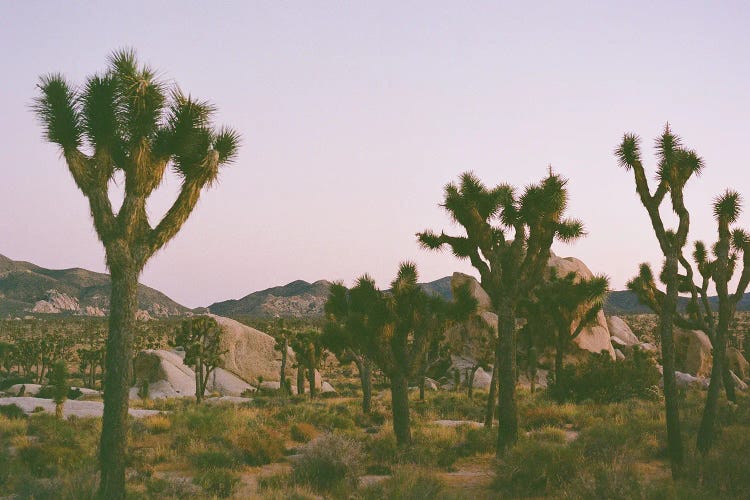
x: 298, y: 299
x: 27, y: 288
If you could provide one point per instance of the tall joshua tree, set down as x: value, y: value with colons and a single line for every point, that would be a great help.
x: 507, y: 239
x: 726, y: 212
x: 127, y: 121
x: 676, y: 165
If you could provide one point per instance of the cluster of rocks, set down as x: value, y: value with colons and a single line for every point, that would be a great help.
x: 56, y: 302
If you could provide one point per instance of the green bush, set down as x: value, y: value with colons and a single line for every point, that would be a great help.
x: 219, y: 482
x: 302, y: 432
x: 602, y: 380
x: 259, y: 446
x: 12, y: 411
x: 536, y: 468
x: 407, y: 483
x: 328, y: 462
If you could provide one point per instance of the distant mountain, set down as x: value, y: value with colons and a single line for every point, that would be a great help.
x: 28, y: 288
x: 298, y: 299
x: 626, y: 302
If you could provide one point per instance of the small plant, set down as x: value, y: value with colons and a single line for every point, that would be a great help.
x: 302, y: 432
x: 219, y: 482
x: 58, y: 378
x: 406, y: 484
x: 214, y: 459
x: 12, y: 411
x: 260, y: 446
x: 328, y: 462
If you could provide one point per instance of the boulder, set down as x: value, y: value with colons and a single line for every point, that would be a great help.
x: 325, y: 387
x: 33, y: 390
x: 620, y: 332
x: 482, y: 379
x: 619, y: 355
x: 168, y: 377
x: 739, y: 384
x: 737, y: 363
x: 595, y: 338
x: 71, y: 407
x: 250, y: 353
x: 484, y: 303
x: 430, y: 384
x: 685, y: 380
x: 693, y: 352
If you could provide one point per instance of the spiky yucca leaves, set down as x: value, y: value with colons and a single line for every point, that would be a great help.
x: 675, y: 166
x: 571, y: 303
x: 507, y: 239
x: 127, y: 120
x: 393, y: 329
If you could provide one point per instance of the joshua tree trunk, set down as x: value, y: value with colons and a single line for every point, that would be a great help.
x: 489, y: 415
x: 674, y: 437
x: 59, y: 411
x: 400, y: 407
x: 300, y: 380
x: 422, y: 380
x: 311, y: 380
x: 559, y: 356
x: 282, y: 374
x: 364, y: 366
x: 113, y: 445
x: 506, y: 362
x: 531, y: 368
x: 470, y: 380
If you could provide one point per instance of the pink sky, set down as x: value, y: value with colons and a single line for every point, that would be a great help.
x: 354, y: 116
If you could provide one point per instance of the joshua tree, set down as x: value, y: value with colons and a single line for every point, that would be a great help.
x: 200, y: 336
x: 282, y: 335
x: 676, y: 165
x: 729, y: 244
x: 394, y: 330
x: 571, y: 303
x: 127, y: 121
x: 342, y: 341
x: 507, y: 239
x: 58, y: 379
x: 308, y: 349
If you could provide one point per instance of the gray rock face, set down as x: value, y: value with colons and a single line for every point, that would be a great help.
x: 55, y: 303
x: 620, y: 330
x: 169, y: 377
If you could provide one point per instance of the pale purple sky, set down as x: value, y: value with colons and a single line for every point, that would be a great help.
x: 354, y: 115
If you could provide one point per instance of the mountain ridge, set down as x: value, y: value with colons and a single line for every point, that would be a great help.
x: 26, y: 287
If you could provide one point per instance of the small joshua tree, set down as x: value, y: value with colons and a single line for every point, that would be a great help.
x: 571, y: 303
x: 128, y: 121
x: 282, y: 335
x: 58, y: 379
x: 309, y: 352
x: 342, y: 341
x: 200, y: 336
x: 507, y: 239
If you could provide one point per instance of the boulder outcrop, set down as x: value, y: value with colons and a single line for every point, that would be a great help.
x: 738, y: 364
x: 693, y: 352
x: 620, y: 330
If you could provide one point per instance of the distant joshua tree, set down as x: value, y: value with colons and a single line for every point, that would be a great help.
x: 309, y: 353
x: 128, y: 121
x: 58, y: 379
x: 676, y: 165
x: 507, y: 239
x: 200, y: 336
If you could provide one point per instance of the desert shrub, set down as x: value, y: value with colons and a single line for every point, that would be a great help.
x: 328, y: 462
x: 219, y: 482
x: 611, y: 480
x: 48, y: 460
x: 545, y: 414
x: 724, y: 473
x: 407, y: 483
x: 157, y: 424
x: 549, y: 434
x: 12, y: 426
x: 453, y: 406
x: 536, y: 468
x: 477, y: 440
x: 382, y: 448
x: 177, y: 488
x: 259, y: 446
x: 602, y: 380
x: 302, y: 432
x: 12, y: 411
x: 214, y: 459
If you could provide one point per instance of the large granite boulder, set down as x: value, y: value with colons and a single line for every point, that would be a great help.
x: 693, y: 352
x: 250, y: 353
x: 620, y: 332
x: 737, y: 363
x: 168, y: 377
